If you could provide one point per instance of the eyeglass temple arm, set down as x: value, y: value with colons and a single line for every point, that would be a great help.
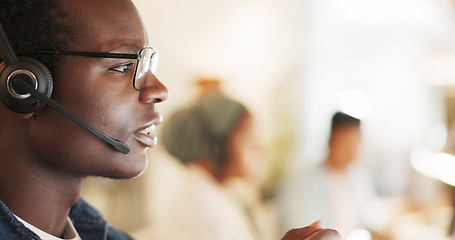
x: 87, y: 54
x: 6, y: 51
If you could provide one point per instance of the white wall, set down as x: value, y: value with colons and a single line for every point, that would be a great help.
x: 289, y: 60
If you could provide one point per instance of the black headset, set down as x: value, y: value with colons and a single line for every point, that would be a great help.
x: 28, y: 69
x: 26, y: 86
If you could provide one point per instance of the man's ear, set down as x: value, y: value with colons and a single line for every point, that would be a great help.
x: 5, y: 110
x: 24, y: 116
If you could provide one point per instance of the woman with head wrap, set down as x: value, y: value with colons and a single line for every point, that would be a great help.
x: 204, y: 134
x: 214, y: 140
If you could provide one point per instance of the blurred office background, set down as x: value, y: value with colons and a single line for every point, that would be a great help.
x: 295, y: 62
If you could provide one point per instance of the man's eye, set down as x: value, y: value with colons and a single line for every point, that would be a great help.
x: 122, y: 68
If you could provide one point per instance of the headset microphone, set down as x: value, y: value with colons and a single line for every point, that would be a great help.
x: 26, y: 86
x: 22, y: 84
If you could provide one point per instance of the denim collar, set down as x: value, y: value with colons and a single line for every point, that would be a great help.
x: 88, y: 222
x: 11, y: 228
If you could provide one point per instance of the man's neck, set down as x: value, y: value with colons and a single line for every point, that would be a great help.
x: 38, y: 197
x: 335, y: 164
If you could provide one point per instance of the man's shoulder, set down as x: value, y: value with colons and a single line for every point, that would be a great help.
x: 84, y: 212
x: 11, y: 228
x: 90, y: 224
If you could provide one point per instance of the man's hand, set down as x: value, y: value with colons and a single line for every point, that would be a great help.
x: 312, y: 232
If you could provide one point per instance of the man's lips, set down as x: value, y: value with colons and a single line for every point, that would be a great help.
x: 147, y: 130
x: 144, y: 135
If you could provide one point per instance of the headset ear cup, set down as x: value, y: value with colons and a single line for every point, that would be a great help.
x: 33, y: 72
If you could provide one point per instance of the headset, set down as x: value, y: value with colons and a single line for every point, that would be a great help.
x: 26, y: 86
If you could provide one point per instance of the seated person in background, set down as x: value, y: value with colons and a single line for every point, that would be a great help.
x: 214, y: 139
x: 337, y: 191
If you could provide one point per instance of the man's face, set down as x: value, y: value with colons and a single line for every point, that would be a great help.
x: 101, y: 92
x: 244, y: 151
x: 345, y: 143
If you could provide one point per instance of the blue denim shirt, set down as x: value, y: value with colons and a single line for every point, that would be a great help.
x: 87, y: 221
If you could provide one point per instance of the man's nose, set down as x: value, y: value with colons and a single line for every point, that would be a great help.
x: 153, y: 91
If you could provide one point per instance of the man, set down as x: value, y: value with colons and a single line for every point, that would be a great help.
x: 45, y: 155
x: 338, y: 190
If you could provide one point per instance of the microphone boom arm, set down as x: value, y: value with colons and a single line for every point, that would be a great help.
x: 119, y: 146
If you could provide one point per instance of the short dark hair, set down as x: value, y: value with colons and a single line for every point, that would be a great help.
x: 340, y: 119
x: 32, y: 25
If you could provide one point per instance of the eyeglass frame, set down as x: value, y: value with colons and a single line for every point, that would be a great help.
x: 102, y: 55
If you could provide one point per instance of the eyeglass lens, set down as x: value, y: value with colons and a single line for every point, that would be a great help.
x: 148, y: 60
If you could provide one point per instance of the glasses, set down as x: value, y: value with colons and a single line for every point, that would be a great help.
x: 147, y: 60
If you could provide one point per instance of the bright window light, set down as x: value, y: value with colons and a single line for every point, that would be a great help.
x: 422, y: 161
x: 354, y: 103
x: 359, y: 234
x: 444, y: 166
x: 437, y: 137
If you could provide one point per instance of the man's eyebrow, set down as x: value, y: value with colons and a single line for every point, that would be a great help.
x: 126, y: 48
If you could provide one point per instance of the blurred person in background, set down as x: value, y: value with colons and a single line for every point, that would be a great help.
x: 214, y: 138
x: 338, y: 191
